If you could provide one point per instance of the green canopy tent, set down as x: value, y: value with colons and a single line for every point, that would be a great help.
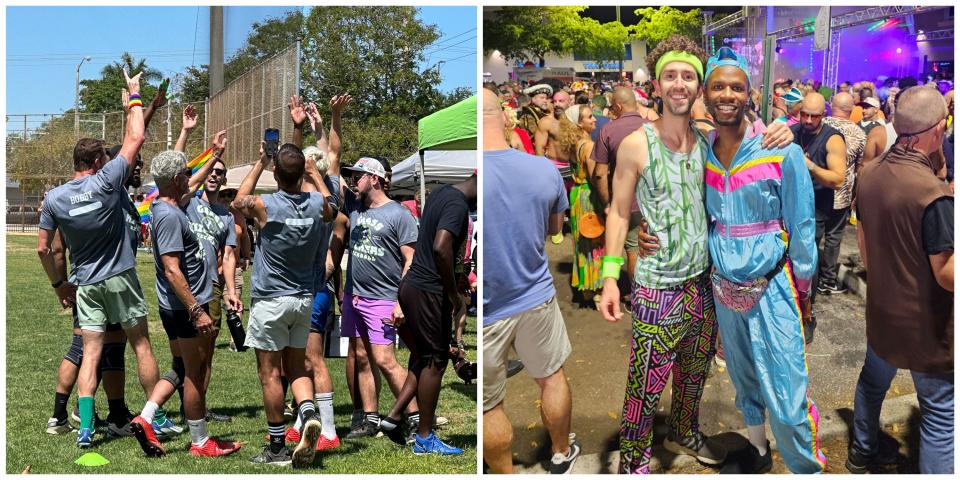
x: 453, y: 128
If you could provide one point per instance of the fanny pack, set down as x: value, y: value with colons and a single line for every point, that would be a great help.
x: 741, y: 297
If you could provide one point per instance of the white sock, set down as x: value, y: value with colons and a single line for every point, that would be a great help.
x: 325, y: 406
x: 758, y: 438
x: 149, y: 409
x: 299, y: 423
x: 198, y: 431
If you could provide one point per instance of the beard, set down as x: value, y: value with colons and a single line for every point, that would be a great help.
x: 738, y: 114
x: 683, y: 108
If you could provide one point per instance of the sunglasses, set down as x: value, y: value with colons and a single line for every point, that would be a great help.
x: 220, y: 171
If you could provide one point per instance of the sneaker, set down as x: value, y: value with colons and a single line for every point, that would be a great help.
x: 748, y: 461
x: 697, y: 445
x: 808, y: 329
x: 514, y: 367
x: 292, y: 435
x: 217, y: 417
x: 166, y: 429
x: 831, y: 288
x: 97, y: 421
x: 326, y: 443
x: 149, y: 443
x: 365, y: 429
x: 412, y: 428
x: 432, y: 444
x: 84, y: 438
x: 356, y: 419
x: 57, y: 427
x: 397, y: 435
x: 562, y: 464
x: 267, y: 457
x: 306, y: 450
x: 288, y: 415
x: 214, y: 448
x: 887, y: 454
x: 719, y: 360
x: 119, y: 430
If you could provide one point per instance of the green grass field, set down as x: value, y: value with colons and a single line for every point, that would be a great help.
x: 38, y: 334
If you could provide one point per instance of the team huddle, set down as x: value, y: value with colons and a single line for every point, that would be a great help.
x: 199, y: 237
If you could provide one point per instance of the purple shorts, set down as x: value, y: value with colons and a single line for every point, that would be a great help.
x: 368, y: 318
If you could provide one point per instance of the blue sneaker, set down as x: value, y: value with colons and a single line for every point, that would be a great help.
x: 84, y: 438
x: 166, y: 429
x: 432, y: 444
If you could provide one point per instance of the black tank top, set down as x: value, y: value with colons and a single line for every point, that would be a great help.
x: 816, y: 148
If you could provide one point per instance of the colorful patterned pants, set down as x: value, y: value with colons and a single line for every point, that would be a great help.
x: 674, y: 331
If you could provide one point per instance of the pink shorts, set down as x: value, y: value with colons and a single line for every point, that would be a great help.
x: 368, y: 318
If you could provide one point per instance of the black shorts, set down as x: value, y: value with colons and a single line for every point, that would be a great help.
x: 111, y: 327
x: 177, y: 323
x: 429, y: 317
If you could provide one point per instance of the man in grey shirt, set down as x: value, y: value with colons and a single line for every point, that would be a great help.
x: 383, y: 235
x: 89, y: 212
x: 282, y: 295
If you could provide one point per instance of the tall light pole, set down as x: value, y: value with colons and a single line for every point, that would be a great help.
x: 76, y: 101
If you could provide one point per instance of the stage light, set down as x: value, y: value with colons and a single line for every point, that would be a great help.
x: 899, y: 50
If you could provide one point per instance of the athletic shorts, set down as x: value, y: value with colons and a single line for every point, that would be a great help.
x: 322, y: 302
x: 177, y: 323
x: 540, y: 339
x: 429, y: 317
x: 216, y: 305
x: 118, y: 299
x: 111, y: 327
x: 278, y: 323
x: 368, y: 318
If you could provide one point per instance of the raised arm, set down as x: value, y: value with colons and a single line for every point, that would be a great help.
x: 159, y: 100
x: 246, y: 203
x: 299, y: 115
x: 314, y: 179
x: 134, y: 137
x: 337, y: 104
x: 198, y: 177
x: 316, y: 124
x: 189, y: 123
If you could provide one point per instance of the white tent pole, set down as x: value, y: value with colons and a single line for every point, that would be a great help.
x: 423, y: 183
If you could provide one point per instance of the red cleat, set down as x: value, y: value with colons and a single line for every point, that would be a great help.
x: 292, y: 435
x: 214, y: 448
x: 142, y: 429
x: 324, y: 443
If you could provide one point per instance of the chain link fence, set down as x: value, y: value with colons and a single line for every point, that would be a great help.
x: 254, y: 102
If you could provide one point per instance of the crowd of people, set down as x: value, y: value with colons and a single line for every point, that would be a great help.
x: 730, y: 226
x: 403, y: 279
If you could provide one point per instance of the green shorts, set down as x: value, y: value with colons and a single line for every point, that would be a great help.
x: 118, y: 299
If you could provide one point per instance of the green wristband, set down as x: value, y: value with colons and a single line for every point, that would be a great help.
x: 610, y: 267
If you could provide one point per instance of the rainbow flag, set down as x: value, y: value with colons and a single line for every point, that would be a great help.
x: 144, y: 208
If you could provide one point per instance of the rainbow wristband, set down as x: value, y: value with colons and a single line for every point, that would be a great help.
x: 610, y: 267
x: 134, y: 96
x: 135, y: 103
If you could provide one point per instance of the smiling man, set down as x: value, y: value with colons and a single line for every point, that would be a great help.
x: 761, y: 240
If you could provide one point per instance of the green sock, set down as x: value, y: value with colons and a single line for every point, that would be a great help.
x: 86, y: 412
x: 160, y: 416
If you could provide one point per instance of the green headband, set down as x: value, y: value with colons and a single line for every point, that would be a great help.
x: 679, y: 56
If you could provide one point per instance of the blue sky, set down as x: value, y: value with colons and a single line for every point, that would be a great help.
x: 45, y: 44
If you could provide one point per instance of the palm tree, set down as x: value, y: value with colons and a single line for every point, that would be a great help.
x: 103, y: 94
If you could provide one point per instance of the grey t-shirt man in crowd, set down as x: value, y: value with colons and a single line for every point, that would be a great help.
x: 184, y: 288
x: 282, y: 294
x: 383, y: 235
x: 89, y: 212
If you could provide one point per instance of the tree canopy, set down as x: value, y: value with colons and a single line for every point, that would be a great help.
x: 529, y: 33
x: 656, y: 24
x: 102, y: 94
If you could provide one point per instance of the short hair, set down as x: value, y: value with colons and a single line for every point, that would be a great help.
x: 675, y: 42
x: 314, y: 154
x: 290, y: 164
x: 918, y: 109
x: 86, y: 153
x: 166, y: 165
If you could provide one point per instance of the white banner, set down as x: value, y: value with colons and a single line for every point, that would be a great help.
x: 821, y: 30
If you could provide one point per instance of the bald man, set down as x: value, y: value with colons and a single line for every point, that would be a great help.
x: 855, y: 140
x: 562, y: 100
x: 825, y: 153
x: 524, y: 201
x: 905, y: 233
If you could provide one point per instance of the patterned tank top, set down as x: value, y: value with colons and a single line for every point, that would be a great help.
x: 670, y: 193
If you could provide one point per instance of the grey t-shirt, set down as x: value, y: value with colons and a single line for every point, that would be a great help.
x: 132, y: 218
x: 171, y: 233
x: 213, y: 226
x: 326, y: 232
x: 287, y: 245
x: 90, y: 212
x: 376, y: 235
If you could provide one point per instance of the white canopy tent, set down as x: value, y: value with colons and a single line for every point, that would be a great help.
x: 442, y: 167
